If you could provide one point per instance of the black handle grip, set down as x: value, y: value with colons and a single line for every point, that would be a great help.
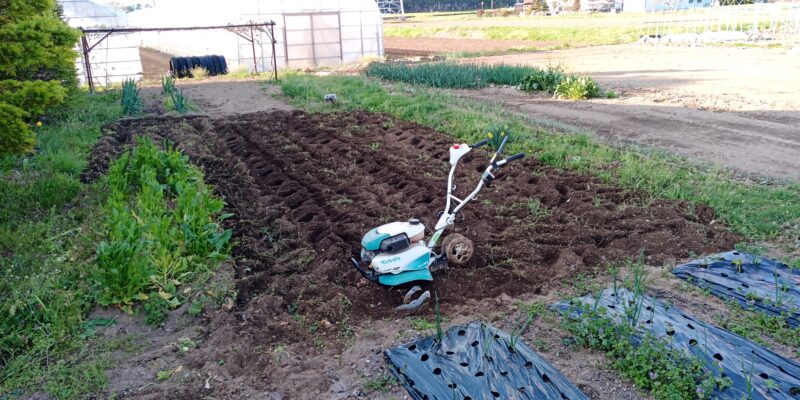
x: 502, y: 145
x: 479, y: 144
x: 515, y: 157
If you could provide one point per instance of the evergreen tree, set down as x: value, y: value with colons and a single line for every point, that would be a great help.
x: 37, y: 67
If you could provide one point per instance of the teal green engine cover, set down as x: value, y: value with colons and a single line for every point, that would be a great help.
x: 372, y: 240
x: 416, y: 271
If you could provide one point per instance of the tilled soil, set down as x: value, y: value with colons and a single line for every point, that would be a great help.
x: 304, y: 188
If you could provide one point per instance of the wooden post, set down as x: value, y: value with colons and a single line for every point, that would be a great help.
x: 87, y: 65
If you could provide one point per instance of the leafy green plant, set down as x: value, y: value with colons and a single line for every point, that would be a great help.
x: 162, y: 230
x: 131, y: 102
x: 546, y: 80
x: 577, y: 88
x: 164, y: 374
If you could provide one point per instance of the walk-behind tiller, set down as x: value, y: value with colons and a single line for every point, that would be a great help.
x: 396, y: 253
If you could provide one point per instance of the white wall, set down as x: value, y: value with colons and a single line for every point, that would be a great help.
x: 308, y: 32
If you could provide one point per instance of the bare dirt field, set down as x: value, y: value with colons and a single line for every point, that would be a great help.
x: 404, y: 47
x: 755, y: 144
x: 710, y: 77
x: 738, y: 108
x: 303, y: 188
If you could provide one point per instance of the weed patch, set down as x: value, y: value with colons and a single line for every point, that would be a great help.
x: 652, y: 364
x: 45, y: 255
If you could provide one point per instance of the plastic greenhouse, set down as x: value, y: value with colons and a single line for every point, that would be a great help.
x: 117, y: 57
x: 307, y: 32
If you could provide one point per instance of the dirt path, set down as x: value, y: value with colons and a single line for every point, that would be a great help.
x: 717, y: 78
x: 220, y: 96
x: 753, y: 143
x: 396, y: 46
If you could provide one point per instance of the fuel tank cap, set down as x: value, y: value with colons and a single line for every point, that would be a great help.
x: 413, y: 221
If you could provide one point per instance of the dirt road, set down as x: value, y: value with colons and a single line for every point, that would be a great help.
x: 753, y: 143
x: 717, y: 78
x: 738, y: 108
x: 397, y: 46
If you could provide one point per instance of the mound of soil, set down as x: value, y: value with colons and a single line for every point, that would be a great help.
x: 304, y: 188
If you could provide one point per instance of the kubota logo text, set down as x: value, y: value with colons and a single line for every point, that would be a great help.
x: 391, y: 260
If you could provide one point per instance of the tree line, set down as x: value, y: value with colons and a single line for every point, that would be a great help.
x: 454, y: 5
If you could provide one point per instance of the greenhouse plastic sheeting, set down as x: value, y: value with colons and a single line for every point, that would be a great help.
x: 476, y: 361
x: 721, y: 351
x: 757, y: 283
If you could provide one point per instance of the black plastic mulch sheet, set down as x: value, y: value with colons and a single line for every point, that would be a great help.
x: 475, y: 361
x: 722, y: 352
x: 757, y: 283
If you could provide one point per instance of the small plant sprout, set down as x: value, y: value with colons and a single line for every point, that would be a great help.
x: 518, y: 331
x: 487, y: 337
x: 375, y: 146
x: 439, y: 333
x: 538, y: 211
x: 164, y: 374
x: 737, y: 265
x: 279, y: 352
x: 637, y: 284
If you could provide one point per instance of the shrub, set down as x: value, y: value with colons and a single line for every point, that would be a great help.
x: 545, y: 80
x: 15, y: 135
x: 39, y: 48
x: 35, y: 46
x: 33, y: 97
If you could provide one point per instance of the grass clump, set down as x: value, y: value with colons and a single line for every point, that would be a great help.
x: 161, y: 231
x: 449, y: 74
x: 198, y: 73
x: 757, y: 211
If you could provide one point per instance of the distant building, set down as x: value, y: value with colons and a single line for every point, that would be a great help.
x: 114, y: 59
x: 664, y: 5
